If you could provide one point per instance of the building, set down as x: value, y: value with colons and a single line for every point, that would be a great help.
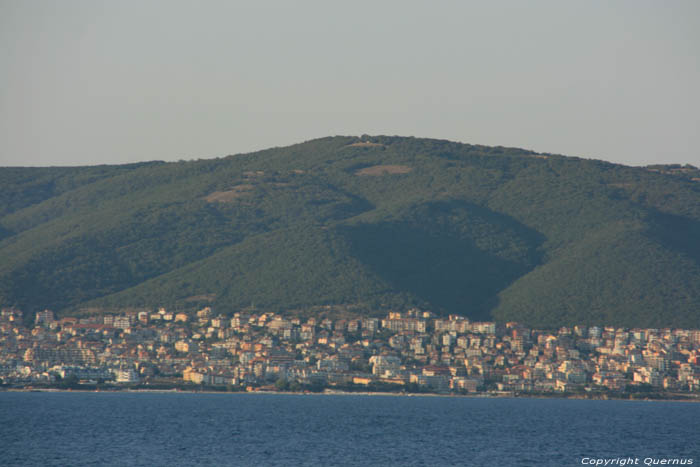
x: 44, y: 317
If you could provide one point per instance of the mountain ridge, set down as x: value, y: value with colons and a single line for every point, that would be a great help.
x: 374, y: 221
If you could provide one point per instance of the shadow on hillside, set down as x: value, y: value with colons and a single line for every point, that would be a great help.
x: 4, y: 233
x: 678, y: 233
x: 455, y: 256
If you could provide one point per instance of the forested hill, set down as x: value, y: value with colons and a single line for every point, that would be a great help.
x: 368, y: 222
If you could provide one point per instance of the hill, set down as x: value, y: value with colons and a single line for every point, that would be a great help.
x: 369, y: 223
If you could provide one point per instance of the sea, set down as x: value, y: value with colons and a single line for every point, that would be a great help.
x: 229, y: 429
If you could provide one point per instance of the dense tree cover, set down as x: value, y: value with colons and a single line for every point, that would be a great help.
x: 488, y: 232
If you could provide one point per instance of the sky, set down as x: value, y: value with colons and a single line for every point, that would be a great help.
x: 107, y: 82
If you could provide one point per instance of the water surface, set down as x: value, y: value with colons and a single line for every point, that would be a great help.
x: 180, y: 429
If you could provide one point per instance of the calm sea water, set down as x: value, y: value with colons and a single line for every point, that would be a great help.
x: 173, y: 429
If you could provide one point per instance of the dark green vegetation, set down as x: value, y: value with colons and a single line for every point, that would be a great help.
x: 485, y: 232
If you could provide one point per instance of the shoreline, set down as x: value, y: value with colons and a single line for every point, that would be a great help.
x: 330, y: 392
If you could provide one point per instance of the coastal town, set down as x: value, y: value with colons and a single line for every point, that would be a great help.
x: 413, y: 351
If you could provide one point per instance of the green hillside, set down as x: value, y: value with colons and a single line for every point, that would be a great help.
x: 372, y: 223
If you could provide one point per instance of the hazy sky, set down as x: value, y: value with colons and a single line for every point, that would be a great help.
x: 88, y: 82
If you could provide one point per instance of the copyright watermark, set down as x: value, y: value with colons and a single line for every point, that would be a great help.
x: 622, y: 461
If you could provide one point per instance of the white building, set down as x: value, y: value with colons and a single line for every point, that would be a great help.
x: 385, y: 366
x: 126, y: 376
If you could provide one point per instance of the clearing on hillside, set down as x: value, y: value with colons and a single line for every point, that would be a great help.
x: 230, y: 195
x: 365, y: 144
x: 376, y: 170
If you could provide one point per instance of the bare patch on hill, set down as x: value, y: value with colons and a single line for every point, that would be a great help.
x: 230, y: 195
x: 364, y: 144
x: 377, y: 170
x: 201, y: 298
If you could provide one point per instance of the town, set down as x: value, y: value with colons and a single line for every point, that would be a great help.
x: 413, y: 351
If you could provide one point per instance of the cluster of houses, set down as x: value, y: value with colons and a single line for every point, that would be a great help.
x: 414, y: 350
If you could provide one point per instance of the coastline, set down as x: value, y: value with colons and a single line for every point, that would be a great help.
x: 692, y: 398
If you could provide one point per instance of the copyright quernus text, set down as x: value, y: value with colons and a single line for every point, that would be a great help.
x: 622, y: 461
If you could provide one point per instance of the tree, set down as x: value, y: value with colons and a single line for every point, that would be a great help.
x: 282, y: 384
x: 70, y: 381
